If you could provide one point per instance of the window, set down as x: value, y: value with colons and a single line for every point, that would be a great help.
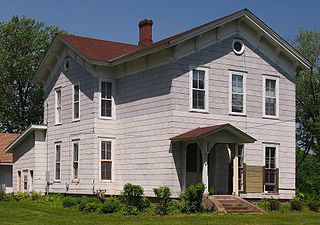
x: 58, y: 162
x: 106, y: 99
x: 75, y: 160
x: 237, y: 93
x: 240, y: 167
x: 271, y: 96
x: 19, y: 181
x: 271, y: 171
x: 106, y: 160
x: 31, y: 180
x: 191, y: 158
x: 199, y: 89
x: 76, y: 102
x: 237, y: 46
x: 58, y: 106
x: 25, y: 180
x: 67, y: 64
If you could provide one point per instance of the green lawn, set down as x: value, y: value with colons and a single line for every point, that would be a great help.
x: 30, y: 213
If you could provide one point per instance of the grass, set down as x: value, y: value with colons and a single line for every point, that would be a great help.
x: 30, y: 213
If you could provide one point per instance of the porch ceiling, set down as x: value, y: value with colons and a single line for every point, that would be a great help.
x: 214, y: 131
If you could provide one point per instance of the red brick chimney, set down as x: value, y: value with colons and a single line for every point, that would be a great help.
x: 145, y: 33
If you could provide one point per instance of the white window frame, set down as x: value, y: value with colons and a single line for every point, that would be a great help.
x: 73, y: 101
x: 55, y: 161
x: 113, y: 93
x: 244, y: 80
x: 58, y: 117
x: 277, y: 156
x: 25, y: 175
x: 77, y: 141
x: 206, y: 89
x: 112, y: 159
x: 264, y: 78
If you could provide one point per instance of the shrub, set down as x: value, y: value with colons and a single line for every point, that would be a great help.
x: 69, y: 202
x: 89, y: 204
x: 165, y: 203
x: 111, y: 205
x: 263, y: 204
x: 212, y: 191
x: 192, y: 198
x: 132, y: 195
x: 314, y: 205
x: 21, y: 196
x: 130, y: 210
x: 36, y: 195
x: 296, y: 204
x: 274, y: 204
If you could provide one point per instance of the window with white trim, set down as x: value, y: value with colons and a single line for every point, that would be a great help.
x: 57, y: 172
x: 75, y: 160
x: 237, y: 92
x: 270, y: 96
x: 25, y: 180
x: 199, y: 89
x: 240, y: 154
x: 271, y: 168
x: 106, y: 99
x: 76, y: 102
x: 58, y: 106
x: 106, y: 160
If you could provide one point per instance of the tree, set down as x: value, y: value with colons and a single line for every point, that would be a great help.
x: 23, y: 44
x: 308, y: 96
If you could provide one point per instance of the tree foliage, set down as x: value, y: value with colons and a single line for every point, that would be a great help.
x: 23, y: 44
x: 308, y: 96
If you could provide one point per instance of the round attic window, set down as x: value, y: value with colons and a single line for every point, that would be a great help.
x: 66, y: 64
x: 237, y: 46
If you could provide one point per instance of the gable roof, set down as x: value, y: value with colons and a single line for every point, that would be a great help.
x: 23, y: 136
x: 109, y: 53
x: 202, y: 132
x: 95, y: 49
x: 5, y: 140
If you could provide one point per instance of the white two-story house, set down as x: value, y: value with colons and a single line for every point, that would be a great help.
x: 214, y: 104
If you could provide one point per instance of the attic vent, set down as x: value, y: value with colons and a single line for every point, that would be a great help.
x: 237, y: 46
x: 66, y: 64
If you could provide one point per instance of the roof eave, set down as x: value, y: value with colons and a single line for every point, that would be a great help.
x: 24, y: 134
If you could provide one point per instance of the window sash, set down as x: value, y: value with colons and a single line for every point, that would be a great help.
x: 58, y: 106
x: 237, y: 92
x: 271, y: 96
x: 106, y: 99
x: 198, y: 89
x: 58, y: 163
x: 271, y: 176
x: 76, y: 101
x: 106, y: 160
x: 75, y: 160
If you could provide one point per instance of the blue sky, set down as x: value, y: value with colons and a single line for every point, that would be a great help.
x: 118, y: 20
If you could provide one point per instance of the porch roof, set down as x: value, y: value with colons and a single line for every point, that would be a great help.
x: 202, y: 132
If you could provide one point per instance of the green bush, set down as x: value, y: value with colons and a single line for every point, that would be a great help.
x: 36, y: 195
x: 314, y: 205
x: 192, y: 198
x: 296, y: 204
x: 263, y: 204
x: 274, y: 204
x: 130, y: 210
x: 132, y: 195
x: 69, y: 202
x: 164, y: 197
x: 20, y: 196
x: 111, y: 205
x: 89, y: 204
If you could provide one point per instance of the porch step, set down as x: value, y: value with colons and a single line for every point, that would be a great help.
x: 232, y: 204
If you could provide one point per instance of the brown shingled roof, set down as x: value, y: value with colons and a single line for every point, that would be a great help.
x: 5, y: 140
x: 95, y: 49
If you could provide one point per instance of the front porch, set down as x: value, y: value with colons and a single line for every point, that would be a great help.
x: 214, y: 156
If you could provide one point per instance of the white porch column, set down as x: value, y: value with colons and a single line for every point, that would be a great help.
x: 235, y: 172
x: 205, y: 177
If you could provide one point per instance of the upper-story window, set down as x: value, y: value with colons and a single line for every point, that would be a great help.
x: 199, y: 89
x: 237, y: 93
x: 76, y: 102
x: 58, y: 106
x: 106, y: 100
x: 270, y: 96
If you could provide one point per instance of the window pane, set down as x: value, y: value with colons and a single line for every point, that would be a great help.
x: 198, y: 99
x: 109, y: 150
x: 103, y: 150
x: 76, y: 93
x: 103, y: 89
x: 106, y: 170
x: 270, y: 106
x: 58, y: 153
x: 270, y: 88
x: 75, y: 170
x: 237, y: 83
x: 75, y: 151
x: 76, y: 110
x: 57, y: 171
x: 237, y: 103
